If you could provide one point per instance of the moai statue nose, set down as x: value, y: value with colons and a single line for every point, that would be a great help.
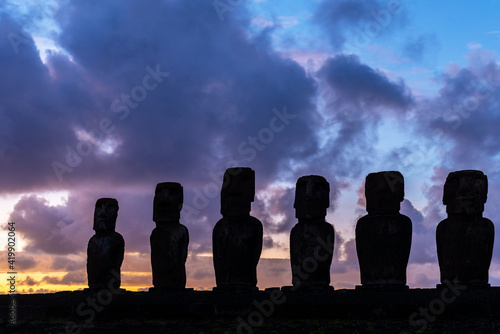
x: 106, y: 248
x: 237, y: 237
x: 169, y: 240
x: 312, y: 238
x: 383, y: 236
x: 465, y: 239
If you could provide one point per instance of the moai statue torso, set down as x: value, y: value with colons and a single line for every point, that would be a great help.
x: 106, y: 247
x: 237, y: 237
x: 383, y: 236
x: 169, y: 240
x: 312, y: 238
x: 465, y: 239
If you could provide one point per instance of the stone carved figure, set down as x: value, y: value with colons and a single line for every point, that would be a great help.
x: 169, y: 240
x: 383, y: 236
x: 237, y: 237
x: 465, y: 239
x: 106, y: 247
x: 312, y: 238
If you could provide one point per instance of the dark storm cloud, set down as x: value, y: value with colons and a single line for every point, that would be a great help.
x: 47, y: 228
x: 355, y: 23
x: 462, y: 122
x: 25, y: 261
x: 362, y: 86
x: 227, y: 96
x: 28, y: 122
x: 141, y: 94
x: 268, y: 242
x: 465, y: 114
x: 279, y: 203
x: 357, y: 97
x: 220, y: 93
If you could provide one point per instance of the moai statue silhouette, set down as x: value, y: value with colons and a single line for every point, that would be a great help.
x: 465, y: 239
x: 383, y: 236
x: 169, y: 240
x: 237, y: 237
x: 106, y: 247
x: 312, y: 238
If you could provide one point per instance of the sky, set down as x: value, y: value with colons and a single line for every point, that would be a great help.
x: 107, y: 99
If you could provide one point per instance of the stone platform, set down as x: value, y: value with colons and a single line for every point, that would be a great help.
x: 413, y: 309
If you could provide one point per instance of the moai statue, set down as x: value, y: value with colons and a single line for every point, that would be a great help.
x: 383, y: 236
x: 237, y: 237
x: 465, y: 239
x: 169, y: 240
x: 106, y: 247
x: 312, y: 238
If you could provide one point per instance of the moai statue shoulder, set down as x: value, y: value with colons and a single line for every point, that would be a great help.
x: 106, y: 247
x: 237, y: 237
x: 465, y: 239
x: 169, y: 240
x: 312, y: 238
x: 383, y: 236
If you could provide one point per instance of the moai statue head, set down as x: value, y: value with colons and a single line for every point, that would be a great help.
x: 312, y: 197
x: 167, y: 203
x: 465, y: 191
x: 105, y: 214
x: 384, y: 192
x: 238, y: 191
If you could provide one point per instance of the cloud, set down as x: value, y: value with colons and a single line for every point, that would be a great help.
x: 345, y: 256
x: 274, y: 208
x: 358, y: 84
x: 268, y: 242
x: 65, y: 264
x: 357, y: 98
x: 474, y: 45
x: 202, y: 114
x: 48, y: 228
x: 421, y: 48
x: 463, y: 117
x: 356, y: 22
x: 29, y: 281
x: 25, y: 262
x: 209, y: 110
x: 416, y: 216
x: 422, y: 280
x: 68, y: 279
